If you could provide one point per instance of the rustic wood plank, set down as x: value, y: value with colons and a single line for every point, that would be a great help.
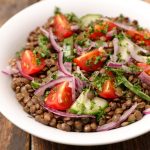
x: 140, y: 143
x: 9, y: 7
x: 11, y: 137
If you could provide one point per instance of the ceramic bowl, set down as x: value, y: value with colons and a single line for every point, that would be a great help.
x: 13, y: 35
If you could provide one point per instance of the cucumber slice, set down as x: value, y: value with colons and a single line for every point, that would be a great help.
x: 68, y: 47
x: 89, y: 18
x: 83, y: 105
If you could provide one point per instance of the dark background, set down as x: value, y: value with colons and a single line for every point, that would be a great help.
x: 13, y: 138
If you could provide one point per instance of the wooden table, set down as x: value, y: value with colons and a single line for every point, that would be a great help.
x: 13, y: 138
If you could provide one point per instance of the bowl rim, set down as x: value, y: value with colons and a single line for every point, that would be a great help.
x: 68, y: 135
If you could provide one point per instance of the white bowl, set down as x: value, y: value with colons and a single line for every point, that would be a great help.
x: 13, y: 35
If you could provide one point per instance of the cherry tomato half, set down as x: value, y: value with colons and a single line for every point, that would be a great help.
x: 92, y: 60
x: 102, y: 29
x: 30, y: 64
x: 60, y: 97
x: 139, y: 36
x: 108, y: 90
x: 62, y: 27
x: 144, y: 67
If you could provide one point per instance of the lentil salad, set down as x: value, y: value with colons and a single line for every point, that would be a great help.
x: 84, y: 74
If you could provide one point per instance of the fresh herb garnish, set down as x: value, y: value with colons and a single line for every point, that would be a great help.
x: 35, y: 85
x: 72, y: 17
x: 120, y: 36
x: 97, y: 59
x: 57, y: 10
x: 139, y: 28
x: 38, y: 61
x: 134, y: 68
x: 105, y: 30
x: 42, y: 49
x: 99, y: 81
x: 54, y: 76
x: 148, y: 61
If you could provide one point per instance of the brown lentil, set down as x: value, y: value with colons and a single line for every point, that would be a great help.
x: 87, y: 128
x: 119, y: 111
x: 131, y: 118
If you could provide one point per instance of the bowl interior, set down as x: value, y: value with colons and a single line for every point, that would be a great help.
x: 13, y: 35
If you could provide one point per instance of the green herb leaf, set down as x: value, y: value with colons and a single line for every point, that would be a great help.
x: 148, y: 61
x: 35, y: 85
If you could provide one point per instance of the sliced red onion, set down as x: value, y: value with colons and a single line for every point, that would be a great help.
x: 61, y: 65
x: 60, y: 74
x: 45, y: 32
x: 60, y: 53
x: 68, y: 66
x: 41, y: 90
x: 123, y: 26
x: 111, y: 33
x: 134, y: 50
x: 127, y: 113
x: 120, y: 65
x: 113, y: 124
x: 81, y: 50
x: 144, y: 77
x: 80, y: 72
x: 79, y: 85
x: 73, y: 89
x: 114, y: 64
x: 66, y: 114
x: 53, y: 42
x: 116, y: 49
x: 10, y: 70
x: 146, y: 111
x: 140, y: 49
x: 107, y: 126
x: 74, y: 27
x: 22, y: 73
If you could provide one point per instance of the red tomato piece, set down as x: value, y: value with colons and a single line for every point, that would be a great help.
x: 108, y: 90
x: 29, y: 63
x: 102, y: 29
x: 139, y: 36
x: 60, y: 97
x: 62, y: 27
x: 92, y: 60
x: 144, y: 67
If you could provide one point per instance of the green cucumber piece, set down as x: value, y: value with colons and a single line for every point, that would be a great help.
x: 89, y: 18
x: 68, y: 47
x: 83, y: 105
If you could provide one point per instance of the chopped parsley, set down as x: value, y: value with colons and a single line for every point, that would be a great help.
x: 97, y: 59
x: 38, y: 61
x: 47, y: 93
x: 72, y: 17
x: 139, y: 28
x: 18, y: 54
x: 134, y: 68
x: 35, y: 85
x: 121, y: 17
x: 57, y: 10
x: 105, y: 30
x: 148, y: 61
x: 120, y: 36
x: 99, y: 81
x: 54, y: 76
x: 42, y: 49
x: 68, y: 59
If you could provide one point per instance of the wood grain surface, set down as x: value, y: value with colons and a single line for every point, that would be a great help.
x: 13, y: 138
